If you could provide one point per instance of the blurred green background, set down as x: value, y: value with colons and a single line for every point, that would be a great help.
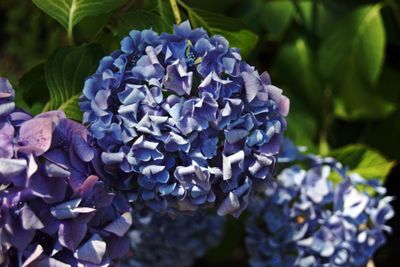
x: 337, y: 60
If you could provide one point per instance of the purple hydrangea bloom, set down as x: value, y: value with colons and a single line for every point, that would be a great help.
x: 173, y: 242
x: 54, y: 210
x: 304, y: 219
x: 183, y: 122
x: 7, y: 95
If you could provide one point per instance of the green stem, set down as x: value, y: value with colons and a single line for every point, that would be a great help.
x: 70, y: 34
x: 323, y: 144
x: 175, y: 10
x: 70, y: 31
x: 326, y: 122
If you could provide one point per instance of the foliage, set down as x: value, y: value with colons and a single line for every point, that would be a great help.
x: 65, y: 71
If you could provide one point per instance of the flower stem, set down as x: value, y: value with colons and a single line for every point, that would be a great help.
x: 326, y: 122
x: 175, y: 10
x: 70, y: 34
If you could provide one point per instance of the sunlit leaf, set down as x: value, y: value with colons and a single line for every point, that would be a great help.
x: 295, y: 66
x: 363, y: 106
x: 165, y: 11
x: 364, y: 161
x: 351, y: 59
x: 362, y: 101
x: 302, y: 129
x: 355, y: 47
x: 276, y: 16
x: 69, y: 12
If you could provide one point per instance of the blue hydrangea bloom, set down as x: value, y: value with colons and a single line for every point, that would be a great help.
x: 173, y: 242
x: 304, y: 219
x: 54, y: 209
x: 183, y: 122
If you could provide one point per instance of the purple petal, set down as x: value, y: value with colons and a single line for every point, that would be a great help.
x: 112, y: 158
x: 117, y: 247
x: 51, y: 190
x: 69, y: 210
x: 284, y: 105
x: 71, y: 233
x: 6, y: 89
x: 6, y: 140
x: 35, y: 136
x: 19, y: 237
x: 82, y: 148
x: 29, y: 219
x: 229, y: 205
x: 31, y: 260
x: 92, y: 251
x: 12, y: 167
x: 121, y: 225
x: 54, y: 170
x: 252, y: 85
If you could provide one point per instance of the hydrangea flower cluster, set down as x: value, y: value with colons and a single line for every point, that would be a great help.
x: 54, y: 210
x: 173, y: 242
x: 304, y: 219
x: 184, y: 120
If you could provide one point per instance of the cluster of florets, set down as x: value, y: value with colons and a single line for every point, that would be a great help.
x: 304, y: 219
x: 183, y: 121
x: 54, y: 210
x: 173, y: 242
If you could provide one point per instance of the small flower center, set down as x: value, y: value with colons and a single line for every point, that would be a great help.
x: 300, y: 219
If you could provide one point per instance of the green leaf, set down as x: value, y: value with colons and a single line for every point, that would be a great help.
x: 231, y: 28
x: 32, y: 85
x: 301, y: 77
x: 364, y: 161
x: 360, y: 106
x: 66, y: 70
x: 325, y: 15
x: 69, y: 12
x: 301, y: 85
x: 33, y: 109
x: 350, y: 60
x: 354, y: 50
x: 90, y: 28
x: 302, y: 128
x: 31, y: 92
x: 244, y: 39
x: 372, y: 103
x: 276, y: 16
x: 165, y: 11
x: 140, y: 20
